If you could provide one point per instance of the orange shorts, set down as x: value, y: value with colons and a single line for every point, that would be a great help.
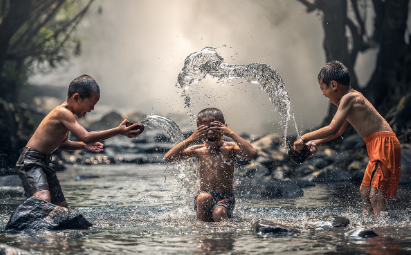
x: 384, y: 168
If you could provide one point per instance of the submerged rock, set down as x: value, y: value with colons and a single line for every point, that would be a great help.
x: 264, y: 227
x: 327, y: 221
x: 9, y: 250
x: 36, y: 214
x: 363, y: 233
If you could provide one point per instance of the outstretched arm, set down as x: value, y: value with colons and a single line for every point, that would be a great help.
x: 69, y: 145
x: 337, y: 125
x: 339, y: 133
x: 243, y: 148
x: 68, y: 120
x: 182, y: 150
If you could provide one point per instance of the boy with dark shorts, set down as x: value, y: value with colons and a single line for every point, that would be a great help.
x: 382, y: 175
x: 215, y: 200
x: 39, y: 179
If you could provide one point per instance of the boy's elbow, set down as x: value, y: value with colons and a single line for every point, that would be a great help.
x: 87, y: 139
x: 253, y: 154
x: 168, y: 158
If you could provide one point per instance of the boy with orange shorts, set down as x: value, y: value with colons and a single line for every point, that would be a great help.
x: 382, y: 175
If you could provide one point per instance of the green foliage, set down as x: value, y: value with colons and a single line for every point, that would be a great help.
x: 45, y: 38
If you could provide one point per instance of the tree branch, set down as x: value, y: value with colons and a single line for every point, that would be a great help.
x: 310, y: 6
x: 360, y: 21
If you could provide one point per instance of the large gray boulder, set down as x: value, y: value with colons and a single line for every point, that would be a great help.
x: 36, y: 214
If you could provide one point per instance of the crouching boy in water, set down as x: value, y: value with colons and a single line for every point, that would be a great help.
x: 215, y: 199
x: 38, y: 178
x: 382, y: 175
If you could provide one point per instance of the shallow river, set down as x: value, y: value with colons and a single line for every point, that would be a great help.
x: 140, y: 209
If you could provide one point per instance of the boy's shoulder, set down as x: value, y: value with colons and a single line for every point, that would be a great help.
x: 351, y: 97
x: 61, y: 111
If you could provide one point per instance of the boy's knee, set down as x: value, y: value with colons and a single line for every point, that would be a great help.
x: 220, y: 213
x: 365, y: 192
x: 204, y: 198
x: 43, y: 194
x: 376, y: 197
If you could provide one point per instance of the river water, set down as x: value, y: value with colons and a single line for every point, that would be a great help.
x: 142, y: 209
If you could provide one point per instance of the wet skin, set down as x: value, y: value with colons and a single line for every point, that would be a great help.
x: 52, y: 133
x: 216, y: 161
x: 355, y: 109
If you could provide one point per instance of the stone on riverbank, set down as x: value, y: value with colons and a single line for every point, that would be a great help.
x: 36, y: 214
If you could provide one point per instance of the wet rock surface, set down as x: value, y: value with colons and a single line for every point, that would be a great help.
x: 327, y: 221
x: 9, y: 250
x: 265, y: 227
x: 35, y: 214
x: 361, y: 233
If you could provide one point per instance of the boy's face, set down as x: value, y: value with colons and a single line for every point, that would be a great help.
x: 212, y: 139
x: 330, y: 91
x: 84, y: 105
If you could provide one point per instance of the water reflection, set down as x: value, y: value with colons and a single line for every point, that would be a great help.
x: 219, y: 243
x: 133, y: 211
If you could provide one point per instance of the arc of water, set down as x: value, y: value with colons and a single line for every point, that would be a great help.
x: 207, y: 61
x: 187, y: 170
x: 171, y: 128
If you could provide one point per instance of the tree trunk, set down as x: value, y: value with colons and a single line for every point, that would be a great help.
x: 335, y: 41
x: 15, y: 16
x: 391, y: 78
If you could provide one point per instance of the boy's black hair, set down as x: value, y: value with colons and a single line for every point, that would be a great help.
x: 83, y: 85
x: 211, y: 112
x: 334, y: 71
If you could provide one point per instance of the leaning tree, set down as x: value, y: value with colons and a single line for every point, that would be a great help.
x: 345, y: 36
x: 35, y: 32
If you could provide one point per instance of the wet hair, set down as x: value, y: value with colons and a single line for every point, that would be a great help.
x: 211, y: 112
x: 83, y: 85
x: 334, y: 71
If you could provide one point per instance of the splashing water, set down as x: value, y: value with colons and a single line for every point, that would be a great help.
x: 171, y: 128
x: 207, y: 61
x: 187, y: 169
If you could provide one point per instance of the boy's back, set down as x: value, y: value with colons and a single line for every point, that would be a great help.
x: 51, y: 132
x: 382, y: 174
x: 38, y: 177
x: 362, y: 115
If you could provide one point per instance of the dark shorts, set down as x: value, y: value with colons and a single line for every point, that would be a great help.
x: 219, y: 199
x: 36, y: 174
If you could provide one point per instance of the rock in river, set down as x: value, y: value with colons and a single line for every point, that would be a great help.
x: 264, y: 227
x: 363, y: 233
x: 36, y: 214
